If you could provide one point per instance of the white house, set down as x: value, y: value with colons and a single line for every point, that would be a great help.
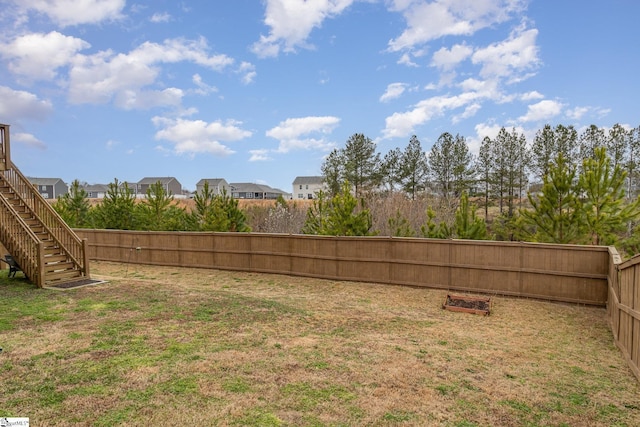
x: 306, y: 187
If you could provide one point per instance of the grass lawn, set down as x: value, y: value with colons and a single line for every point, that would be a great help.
x: 167, y: 346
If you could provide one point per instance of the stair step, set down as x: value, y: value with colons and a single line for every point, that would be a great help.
x: 58, y: 257
x: 58, y: 266
x: 61, y: 275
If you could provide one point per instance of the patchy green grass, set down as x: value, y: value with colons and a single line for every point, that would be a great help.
x: 206, y: 347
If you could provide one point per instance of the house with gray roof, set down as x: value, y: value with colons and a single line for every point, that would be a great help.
x: 96, y: 191
x: 306, y: 187
x: 170, y: 184
x: 49, y: 188
x: 248, y: 190
x: 216, y: 185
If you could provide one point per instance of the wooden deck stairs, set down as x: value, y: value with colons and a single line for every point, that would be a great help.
x: 47, y: 250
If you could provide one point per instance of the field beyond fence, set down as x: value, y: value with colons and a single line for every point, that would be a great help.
x: 592, y: 275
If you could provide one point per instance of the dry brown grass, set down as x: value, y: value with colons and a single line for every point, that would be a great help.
x: 159, y: 345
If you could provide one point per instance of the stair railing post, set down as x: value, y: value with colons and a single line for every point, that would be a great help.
x: 85, y: 257
x: 41, y: 278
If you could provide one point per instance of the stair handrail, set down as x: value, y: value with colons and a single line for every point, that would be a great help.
x: 21, y: 242
x: 50, y: 219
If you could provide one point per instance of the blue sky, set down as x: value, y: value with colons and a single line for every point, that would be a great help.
x: 261, y: 91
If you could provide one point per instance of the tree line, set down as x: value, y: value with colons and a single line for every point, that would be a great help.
x: 584, y: 184
x: 563, y: 187
x: 158, y: 211
x: 501, y: 171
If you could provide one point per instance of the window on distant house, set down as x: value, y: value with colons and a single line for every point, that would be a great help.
x: 307, y: 187
x: 301, y: 186
x: 300, y: 196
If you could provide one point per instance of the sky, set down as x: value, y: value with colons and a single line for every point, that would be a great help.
x: 261, y: 91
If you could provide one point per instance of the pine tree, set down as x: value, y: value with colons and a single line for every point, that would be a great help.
x: 484, y: 167
x: 605, y: 212
x: 317, y: 214
x: 391, y: 172
x: 399, y: 226
x: 333, y: 171
x: 74, y: 206
x: 433, y: 230
x: 441, y: 164
x: 362, y: 165
x: 463, y: 171
x: 543, y: 151
x: 155, y: 207
x: 414, y: 168
x: 341, y: 216
x: 117, y: 209
x: 632, y: 163
x: 556, y: 212
x: 616, y: 144
x: 467, y: 225
x: 590, y: 139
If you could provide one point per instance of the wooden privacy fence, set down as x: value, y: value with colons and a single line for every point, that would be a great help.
x: 567, y: 273
x: 623, y: 308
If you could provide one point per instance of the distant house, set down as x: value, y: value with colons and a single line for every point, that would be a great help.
x: 306, y: 187
x: 96, y: 191
x: 244, y: 190
x: 50, y: 188
x: 169, y: 183
x: 133, y: 187
x: 216, y: 186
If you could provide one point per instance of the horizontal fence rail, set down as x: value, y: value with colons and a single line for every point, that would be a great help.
x: 568, y: 273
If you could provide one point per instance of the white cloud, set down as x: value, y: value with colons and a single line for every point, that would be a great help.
x: 203, y: 88
x: 490, y: 130
x: 197, y: 136
x: 577, y: 112
x: 248, y: 71
x: 403, y: 124
x: 145, y: 99
x: 530, y: 96
x: 394, y: 90
x: 543, y: 110
x: 511, y: 57
x: 28, y: 140
x: 38, y: 56
x: 293, y: 134
x: 75, y: 12
x: 405, y: 59
x: 100, y: 77
x: 23, y: 106
x: 291, y: 22
x: 430, y: 20
x: 111, y: 144
x: 158, y: 18
x: 261, y: 155
x: 448, y: 59
x: 469, y: 111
